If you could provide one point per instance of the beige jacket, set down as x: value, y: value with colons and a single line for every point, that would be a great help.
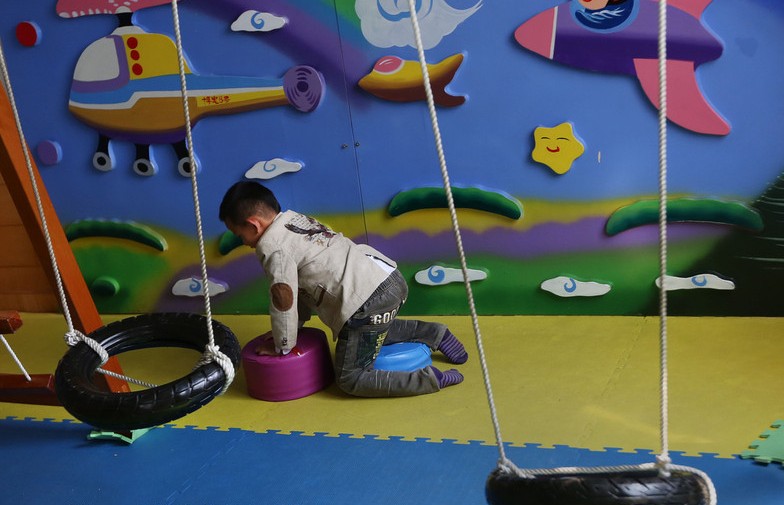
x: 312, y: 268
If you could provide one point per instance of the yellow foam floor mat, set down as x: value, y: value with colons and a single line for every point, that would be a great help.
x: 588, y: 382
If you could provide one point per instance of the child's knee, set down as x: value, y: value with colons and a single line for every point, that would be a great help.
x: 346, y: 383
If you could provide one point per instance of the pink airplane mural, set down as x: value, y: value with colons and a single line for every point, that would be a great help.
x: 621, y: 37
x: 126, y: 86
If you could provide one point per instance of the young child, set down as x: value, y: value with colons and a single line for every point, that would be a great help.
x: 354, y: 289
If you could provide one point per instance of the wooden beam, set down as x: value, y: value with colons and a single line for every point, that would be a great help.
x: 39, y: 390
x: 10, y: 321
x: 15, y: 174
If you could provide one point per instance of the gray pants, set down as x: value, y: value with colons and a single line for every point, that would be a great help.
x: 374, y: 324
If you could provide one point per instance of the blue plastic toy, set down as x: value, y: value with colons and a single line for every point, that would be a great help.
x: 403, y: 356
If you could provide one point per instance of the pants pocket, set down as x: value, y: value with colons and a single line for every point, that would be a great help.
x: 370, y: 343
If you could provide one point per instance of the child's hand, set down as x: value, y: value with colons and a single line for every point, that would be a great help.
x: 294, y: 351
x: 266, y: 346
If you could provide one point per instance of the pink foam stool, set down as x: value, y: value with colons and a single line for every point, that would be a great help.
x: 280, y: 378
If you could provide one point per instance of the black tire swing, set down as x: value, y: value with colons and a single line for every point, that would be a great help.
x: 659, y: 483
x: 75, y: 383
x: 91, y: 403
x: 631, y: 487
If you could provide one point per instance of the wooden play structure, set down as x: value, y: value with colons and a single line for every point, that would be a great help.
x: 27, y: 281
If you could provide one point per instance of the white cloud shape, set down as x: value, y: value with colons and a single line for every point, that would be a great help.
x: 387, y: 23
x: 257, y: 21
x: 272, y: 168
x: 699, y: 281
x: 438, y: 275
x: 192, y: 286
x: 568, y: 287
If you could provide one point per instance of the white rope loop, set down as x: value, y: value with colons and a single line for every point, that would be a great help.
x: 664, y: 464
x: 455, y: 226
x: 73, y: 337
x: 212, y: 352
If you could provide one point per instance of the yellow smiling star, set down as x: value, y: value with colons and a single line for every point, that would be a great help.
x: 557, y: 147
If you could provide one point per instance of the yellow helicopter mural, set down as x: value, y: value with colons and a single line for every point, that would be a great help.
x: 127, y: 87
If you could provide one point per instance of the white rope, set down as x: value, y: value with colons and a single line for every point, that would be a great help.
x: 72, y: 336
x: 16, y: 359
x: 663, y: 459
x: 663, y: 361
x: 663, y: 462
x: 212, y: 352
x: 456, y: 227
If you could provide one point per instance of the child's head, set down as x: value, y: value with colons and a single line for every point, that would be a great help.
x: 247, y: 209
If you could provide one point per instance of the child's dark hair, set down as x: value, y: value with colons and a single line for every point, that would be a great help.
x: 244, y: 199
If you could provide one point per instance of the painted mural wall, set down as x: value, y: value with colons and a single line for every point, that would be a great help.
x: 548, y: 113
